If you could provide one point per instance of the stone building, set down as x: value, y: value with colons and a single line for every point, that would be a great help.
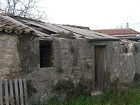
x: 45, y: 53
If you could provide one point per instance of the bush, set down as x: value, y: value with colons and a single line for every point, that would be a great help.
x: 64, y: 86
x: 70, y: 89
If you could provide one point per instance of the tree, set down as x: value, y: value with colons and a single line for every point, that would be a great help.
x: 23, y: 8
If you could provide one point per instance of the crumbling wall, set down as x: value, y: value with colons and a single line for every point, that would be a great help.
x: 121, y: 63
x: 120, y: 60
x: 9, y: 57
x: 73, y: 59
x: 76, y: 58
x: 28, y: 48
x: 137, y: 56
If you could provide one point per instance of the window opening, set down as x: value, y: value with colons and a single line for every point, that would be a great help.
x: 46, y: 54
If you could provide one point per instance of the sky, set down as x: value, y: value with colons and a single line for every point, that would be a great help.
x: 96, y: 14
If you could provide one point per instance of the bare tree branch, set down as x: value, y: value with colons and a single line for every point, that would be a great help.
x: 24, y: 8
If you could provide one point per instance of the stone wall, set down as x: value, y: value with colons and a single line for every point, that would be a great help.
x: 9, y: 59
x: 28, y: 48
x: 73, y: 58
x: 137, y: 56
x: 120, y: 60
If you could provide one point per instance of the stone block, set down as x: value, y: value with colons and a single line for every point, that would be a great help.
x: 64, y: 43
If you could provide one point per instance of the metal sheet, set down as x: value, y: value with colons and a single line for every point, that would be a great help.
x: 87, y: 33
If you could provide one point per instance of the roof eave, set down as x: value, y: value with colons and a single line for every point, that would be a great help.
x: 102, y: 39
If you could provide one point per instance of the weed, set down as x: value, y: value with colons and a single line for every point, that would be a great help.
x: 84, y: 87
x: 54, y: 101
x: 129, y: 96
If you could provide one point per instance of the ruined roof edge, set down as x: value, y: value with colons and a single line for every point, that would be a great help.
x: 10, y: 25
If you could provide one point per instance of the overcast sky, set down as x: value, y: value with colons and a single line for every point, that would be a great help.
x: 96, y: 14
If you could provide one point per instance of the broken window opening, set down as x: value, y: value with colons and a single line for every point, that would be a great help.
x: 46, y: 54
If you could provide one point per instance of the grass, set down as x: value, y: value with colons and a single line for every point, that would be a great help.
x: 128, y: 96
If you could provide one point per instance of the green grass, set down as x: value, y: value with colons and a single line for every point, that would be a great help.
x: 129, y: 96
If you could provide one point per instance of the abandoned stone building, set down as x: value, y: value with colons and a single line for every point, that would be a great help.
x: 44, y: 53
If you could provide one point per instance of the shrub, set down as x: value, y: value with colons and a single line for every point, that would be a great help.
x: 70, y: 89
x: 64, y: 86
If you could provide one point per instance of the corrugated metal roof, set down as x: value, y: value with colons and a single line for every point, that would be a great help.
x: 87, y: 33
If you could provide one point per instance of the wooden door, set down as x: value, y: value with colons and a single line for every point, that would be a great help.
x: 99, y: 67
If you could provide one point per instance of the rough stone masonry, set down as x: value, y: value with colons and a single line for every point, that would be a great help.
x: 72, y: 58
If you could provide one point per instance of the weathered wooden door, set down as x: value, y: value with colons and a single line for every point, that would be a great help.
x: 99, y: 67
